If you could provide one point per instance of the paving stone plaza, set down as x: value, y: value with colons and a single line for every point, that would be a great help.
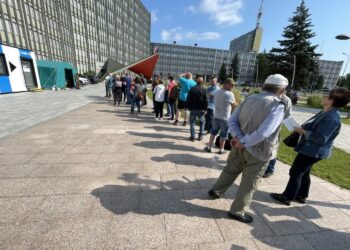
x: 78, y: 173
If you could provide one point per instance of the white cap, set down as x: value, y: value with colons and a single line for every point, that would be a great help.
x: 277, y: 80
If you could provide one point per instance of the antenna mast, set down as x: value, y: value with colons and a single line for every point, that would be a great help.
x: 258, y: 22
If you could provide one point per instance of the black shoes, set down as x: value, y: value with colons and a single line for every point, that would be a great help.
x: 191, y: 138
x: 175, y: 122
x: 200, y: 138
x: 207, y: 149
x: 184, y: 124
x: 300, y: 200
x: 281, y: 198
x: 213, y: 195
x: 246, y: 218
x: 267, y: 174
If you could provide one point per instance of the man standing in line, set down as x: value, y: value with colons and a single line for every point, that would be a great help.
x: 107, y: 84
x: 255, y: 126
x: 186, y: 83
x: 271, y: 166
x: 128, y: 82
x: 209, y: 117
x: 197, y: 103
x: 224, y: 104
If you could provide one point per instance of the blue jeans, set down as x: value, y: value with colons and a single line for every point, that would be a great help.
x: 137, y: 102
x: 128, y: 96
x: 193, y: 116
x: 271, y: 166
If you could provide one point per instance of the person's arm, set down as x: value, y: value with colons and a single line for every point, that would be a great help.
x: 234, y: 126
x: 324, y: 130
x: 205, y: 100
x: 269, y: 126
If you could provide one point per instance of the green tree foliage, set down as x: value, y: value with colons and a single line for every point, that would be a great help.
x: 319, y: 82
x: 90, y: 74
x: 264, y: 67
x: 222, y: 73
x: 344, y: 81
x: 297, y: 36
x: 235, y: 67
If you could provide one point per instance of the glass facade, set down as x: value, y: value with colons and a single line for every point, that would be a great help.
x: 83, y: 32
x: 176, y: 59
x: 330, y: 70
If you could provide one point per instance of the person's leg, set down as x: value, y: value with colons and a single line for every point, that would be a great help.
x: 252, y: 172
x: 120, y: 98
x: 193, y: 115
x: 301, y: 165
x: 132, y: 106
x: 161, y: 107
x: 106, y: 90
x: 270, y: 168
x: 138, y: 105
x: 156, y: 108
x: 231, y: 171
x: 187, y: 114
x: 223, y: 134
x: 303, y: 192
x: 201, y: 124
x: 172, y: 110
x: 209, y: 121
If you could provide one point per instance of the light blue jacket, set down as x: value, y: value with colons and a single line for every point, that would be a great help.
x: 322, y: 130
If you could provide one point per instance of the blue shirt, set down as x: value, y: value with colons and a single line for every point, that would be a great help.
x: 269, y: 126
x: 128, y: 81
x: 186, y: 85
x: 210, y: 94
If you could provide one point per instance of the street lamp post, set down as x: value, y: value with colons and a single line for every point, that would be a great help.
x: 346, y: 65
x: 294, y: 68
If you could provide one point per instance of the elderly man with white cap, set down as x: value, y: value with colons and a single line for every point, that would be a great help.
x: 255, y: 126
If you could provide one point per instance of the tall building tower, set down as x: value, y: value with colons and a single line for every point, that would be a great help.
x: 84, y: 33
x: 251, y: 41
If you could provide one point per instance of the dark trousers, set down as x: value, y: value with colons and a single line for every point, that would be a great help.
x: 117, y: 97
x: 144, y: 101
x: 299, y: 180
x: 271, y: 166
x: 108, y: 91
x: 159, y: 109
x: 173, y: 108
x: 135, y: 102
x: 209, y: 117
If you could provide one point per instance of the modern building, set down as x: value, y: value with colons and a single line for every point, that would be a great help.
x: 175, y: 59
x: 83, y: 32
x: 330, y: 70
x: 248, y: 42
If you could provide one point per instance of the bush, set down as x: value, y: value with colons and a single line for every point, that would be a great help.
x: 237, y: 95
x: 315, y: 101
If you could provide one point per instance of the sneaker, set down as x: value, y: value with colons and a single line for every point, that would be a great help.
x: 221, y: 152
x: 191, y: 138
x: 213, y: 195
x: 175, y: 122
x: 200, y: 138
x: 207, y: 149
x: 156, y: 118
x: 267, y: 174
x: 171, y: 119
x: 184, y: 124
x: 246, y: 218
x: 281, y: 198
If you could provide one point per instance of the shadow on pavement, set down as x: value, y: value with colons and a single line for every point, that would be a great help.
x: 166, y: 145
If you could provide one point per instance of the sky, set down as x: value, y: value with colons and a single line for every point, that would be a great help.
x: 214, y: 23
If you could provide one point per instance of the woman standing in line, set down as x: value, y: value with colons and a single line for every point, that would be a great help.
x: 159, y: 95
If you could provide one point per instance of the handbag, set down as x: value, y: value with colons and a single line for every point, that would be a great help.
x: 292, y: 140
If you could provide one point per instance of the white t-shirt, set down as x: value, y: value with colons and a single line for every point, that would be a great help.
x: 159, y: 92
x: 223, y: 100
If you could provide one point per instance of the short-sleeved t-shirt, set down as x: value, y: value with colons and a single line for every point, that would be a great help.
x: 211, y: 91
x: 223, y: 104
x: 186, y: 85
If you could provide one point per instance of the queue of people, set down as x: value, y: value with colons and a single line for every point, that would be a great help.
x: 254, y: 126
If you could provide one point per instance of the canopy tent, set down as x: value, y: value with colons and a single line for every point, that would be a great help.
x: 145, y: 66
x: 56, y: 74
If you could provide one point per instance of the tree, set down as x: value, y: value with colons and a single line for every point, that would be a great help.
x: 296, y: 43
x: 264, y: 67
x: 222, y: 73
x: 235, y: 67
x: 344, y: 81
x: 319, y: 82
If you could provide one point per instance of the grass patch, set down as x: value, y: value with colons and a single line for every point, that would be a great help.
x: 345, y: 121
x: 335, y: 169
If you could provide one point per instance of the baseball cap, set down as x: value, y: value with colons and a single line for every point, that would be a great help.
x: 277, y: 79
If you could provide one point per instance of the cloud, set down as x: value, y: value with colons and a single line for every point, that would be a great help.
x: 191, y: 9
x: 178, y: 34
x: 223, y: 12
x: 154, y: 16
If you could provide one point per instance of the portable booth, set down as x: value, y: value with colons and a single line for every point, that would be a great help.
x: 55, y: 74
x: 18, y: 70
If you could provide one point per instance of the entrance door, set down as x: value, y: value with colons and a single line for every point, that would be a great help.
x: 69, y: 78
x: 29, y: 74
